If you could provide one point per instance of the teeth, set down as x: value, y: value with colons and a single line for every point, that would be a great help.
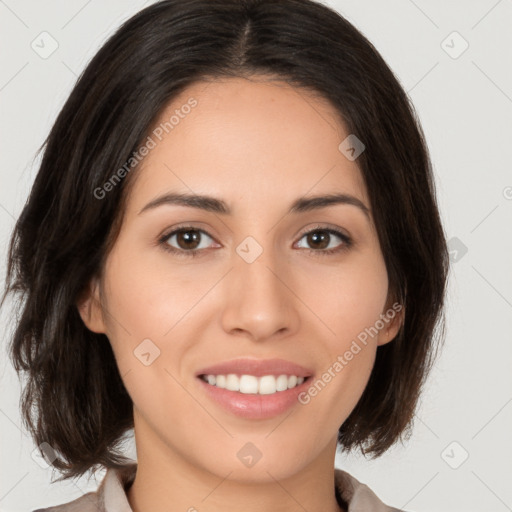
x: 249, y: 384
x: 232, y: 382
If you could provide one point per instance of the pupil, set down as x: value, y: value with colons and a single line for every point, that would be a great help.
x: 314, y: 238
x: 185, y: 235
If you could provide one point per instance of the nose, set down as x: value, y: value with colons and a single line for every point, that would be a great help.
x: 259, y: 302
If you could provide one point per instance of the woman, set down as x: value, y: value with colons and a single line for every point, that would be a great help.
x: 233, y: 247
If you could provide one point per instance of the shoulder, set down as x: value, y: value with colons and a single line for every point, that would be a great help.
x: 89, y: 502
x: 109, y: 497
x: 358, y: 495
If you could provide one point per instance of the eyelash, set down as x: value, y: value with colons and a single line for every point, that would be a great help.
x: 346, y: 245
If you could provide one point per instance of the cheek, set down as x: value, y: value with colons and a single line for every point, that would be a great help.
x: 152, y: 319
x: 351, y: 299
x: 350, y: 304
x: 149, y: 296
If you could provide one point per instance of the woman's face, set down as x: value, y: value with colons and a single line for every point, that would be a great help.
x: 261, y: 285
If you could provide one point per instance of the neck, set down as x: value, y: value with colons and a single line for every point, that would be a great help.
x: 167, y: 482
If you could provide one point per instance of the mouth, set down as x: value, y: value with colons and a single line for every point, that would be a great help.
x: 253, y: 385
x: 255, y: 389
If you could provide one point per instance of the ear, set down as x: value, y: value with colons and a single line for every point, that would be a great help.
x: 393, y: 318
x: 89, y: 307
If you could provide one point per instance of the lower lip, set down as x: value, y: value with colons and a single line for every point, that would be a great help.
x: 254, y: 406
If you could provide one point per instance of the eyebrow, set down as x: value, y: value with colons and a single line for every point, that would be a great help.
x: 212, y: 204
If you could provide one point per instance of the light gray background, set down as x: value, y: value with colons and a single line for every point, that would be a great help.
x: 465, y: 106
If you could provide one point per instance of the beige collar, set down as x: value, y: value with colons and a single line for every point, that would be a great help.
x: 111, y: 494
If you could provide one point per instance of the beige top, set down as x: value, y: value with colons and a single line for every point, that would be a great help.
x: 111, y: 494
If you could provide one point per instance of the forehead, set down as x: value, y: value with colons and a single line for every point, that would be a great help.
x: 236, y: 138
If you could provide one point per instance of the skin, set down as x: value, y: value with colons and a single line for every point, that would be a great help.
x: 258, y: 145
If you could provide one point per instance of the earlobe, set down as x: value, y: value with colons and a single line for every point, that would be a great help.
x: 89, y: 307
x: 392, y: 328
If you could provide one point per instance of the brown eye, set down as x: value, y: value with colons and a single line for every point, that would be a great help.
x: 185, y: 240
x: 319, y: 239
x: 188, y: 239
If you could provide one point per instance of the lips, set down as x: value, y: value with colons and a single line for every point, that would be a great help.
x: 256, y: 367
x: 232, y: 386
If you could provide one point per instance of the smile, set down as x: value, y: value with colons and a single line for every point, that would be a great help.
x: 250, y: 384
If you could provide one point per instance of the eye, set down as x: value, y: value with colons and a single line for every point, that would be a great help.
x: 188, y: 240
x: 320, y: 238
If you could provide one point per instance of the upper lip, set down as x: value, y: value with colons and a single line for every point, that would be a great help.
x: 256, y: 367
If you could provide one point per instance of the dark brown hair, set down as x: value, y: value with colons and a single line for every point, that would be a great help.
x: 74, y: 398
